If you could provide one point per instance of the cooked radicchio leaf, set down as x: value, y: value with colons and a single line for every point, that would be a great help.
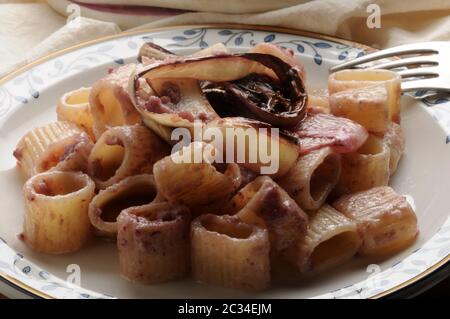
x: 243, y: 97
x: 262, y: 85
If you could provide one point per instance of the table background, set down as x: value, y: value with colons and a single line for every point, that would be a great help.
x: 441, y: 290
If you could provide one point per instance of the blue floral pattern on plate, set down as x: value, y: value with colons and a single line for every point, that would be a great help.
x: 192, y: 37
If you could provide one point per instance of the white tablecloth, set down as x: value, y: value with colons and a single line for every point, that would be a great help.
x: 29, y: 30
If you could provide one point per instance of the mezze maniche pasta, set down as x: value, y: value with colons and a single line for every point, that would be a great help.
x: 106, y: 169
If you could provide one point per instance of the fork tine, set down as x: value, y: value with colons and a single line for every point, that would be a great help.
x: 422, y: 84
x: 399, y: 50
x: 419, y: 72
x: 417, y: 60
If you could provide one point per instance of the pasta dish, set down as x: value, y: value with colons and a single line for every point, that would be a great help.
x: 214, y: 165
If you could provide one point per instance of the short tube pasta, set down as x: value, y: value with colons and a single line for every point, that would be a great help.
x: 366, y: 168
x: 395, y: 140
x: 385, y: 220
x: 109, y: 102
x: 56, y: 218
x: 353, y: 79
x: 108, y: 203
x: 367, y: 106
x: 153, y: 242
x: 69, y: 154
x: 318, y: 100
x: 254, y: 137
x: 265, y: 204
x: 183, y: 179
x: 124, y: 151
x: 230, y: 253
x: 331, y: 239
x: 45, y: 147
x: 73, y: 106
x: 312, y: 178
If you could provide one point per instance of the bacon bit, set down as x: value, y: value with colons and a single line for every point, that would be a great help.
x: 172, y: 91
x: 320, y: 130
x: 155, y: 105
x: 21, y: 236
x: 110, y: 70
x: 165, y: 100
x: 204, y: 117
x: 187, y: 116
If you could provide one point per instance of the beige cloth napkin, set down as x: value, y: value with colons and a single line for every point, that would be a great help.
x: 31, y: 30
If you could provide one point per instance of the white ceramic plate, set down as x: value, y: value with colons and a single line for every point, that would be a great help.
x: 27, y: 100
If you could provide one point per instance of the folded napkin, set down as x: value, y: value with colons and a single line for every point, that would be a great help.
x: 29, y: 31
x: 227, y: 6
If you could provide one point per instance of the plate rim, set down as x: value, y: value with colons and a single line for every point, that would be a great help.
x: 17, y: 284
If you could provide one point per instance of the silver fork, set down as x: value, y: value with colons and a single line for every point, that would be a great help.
x: 428, y: 65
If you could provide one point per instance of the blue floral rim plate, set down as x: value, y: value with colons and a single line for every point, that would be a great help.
x: 28, y: 97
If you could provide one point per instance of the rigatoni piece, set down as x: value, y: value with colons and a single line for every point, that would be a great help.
x: 69, y: 154
x: 153, y: 242
x: 56, y: 217
x: 366, y: 168
x: 108, y: 203
x: 354, y: 79
x: 73, y: 106
x: 367, y: 106
x: 109, y: 101
x: 395, y: 140
x: 44, y: 147
x: 318, y: 100
x: 123, y: 151
x: 221, y: 205
x: 254, y: 145
x: 230, y: 253
x: 190, y: 178
x: 265, y: 204
x: 386, y: 221
x: 312, y: 178
x: 331, y: 239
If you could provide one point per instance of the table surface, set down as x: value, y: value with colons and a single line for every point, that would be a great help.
x: 441, y: 290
